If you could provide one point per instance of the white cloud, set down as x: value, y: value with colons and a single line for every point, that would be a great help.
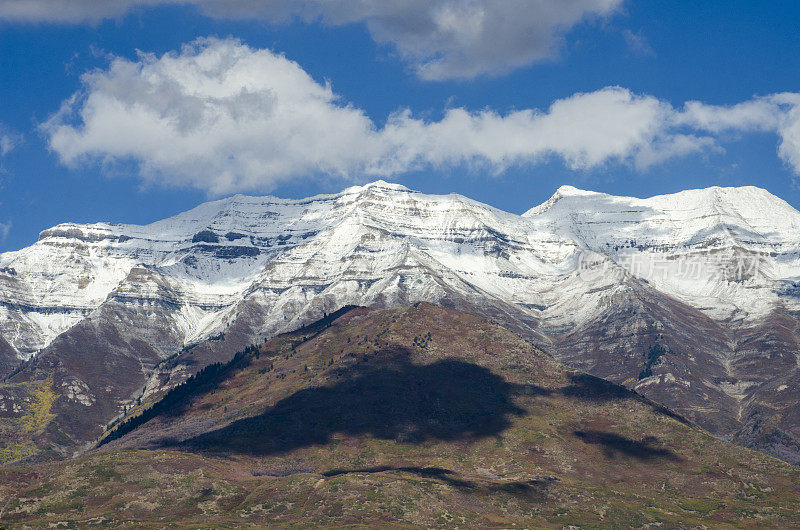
x: 585, y: 130
x: 218, y: 115
x: 442, y: 39
x: 445, y: 39
x: 777, y: 113
x: 223, y: 117
x: 8, y: 140
x: 637, y: 43
x: 5, y: 228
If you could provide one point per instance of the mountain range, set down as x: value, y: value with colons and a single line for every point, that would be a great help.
x: 690, y: 299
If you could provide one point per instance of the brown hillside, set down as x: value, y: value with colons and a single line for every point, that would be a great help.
x: 421, y: 416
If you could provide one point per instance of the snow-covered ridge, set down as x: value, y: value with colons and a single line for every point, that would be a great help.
x: 724, y: 250
x: 364, y: 243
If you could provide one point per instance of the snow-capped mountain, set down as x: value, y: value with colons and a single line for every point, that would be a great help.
x: 692, y: 298
x: 730, y: 252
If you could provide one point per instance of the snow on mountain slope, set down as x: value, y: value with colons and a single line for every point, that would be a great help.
x: 203, y: 259
x: 724, y: 251
x: 731, y: 252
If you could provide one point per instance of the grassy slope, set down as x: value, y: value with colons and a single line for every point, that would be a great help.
x: 389, y: 425
x: 19, y: 432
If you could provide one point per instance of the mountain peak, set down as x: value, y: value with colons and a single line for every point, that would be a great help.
x: 566, y: 190
x: 751, y: 201
x: 384, y: 184
x: 377, y: 185
x: 560, y: 193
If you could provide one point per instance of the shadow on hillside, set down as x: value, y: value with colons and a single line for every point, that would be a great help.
x: 394, y: 399
x: 535, y: 488
x: 591, y: 388
x: 438, y: 473
x: 594, y: 389
x: 446, y: 400
x: 614, y: 444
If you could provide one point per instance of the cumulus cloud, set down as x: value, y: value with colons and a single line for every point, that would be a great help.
x: 777, y: 113
x: 221, y: 116
x: 442, y: 39
x: 445, y: 39
x: 585, y: 130
x: 217, y: 115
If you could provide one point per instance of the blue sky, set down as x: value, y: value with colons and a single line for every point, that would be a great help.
x: 729, y: 57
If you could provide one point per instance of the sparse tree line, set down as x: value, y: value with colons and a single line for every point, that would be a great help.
x: 205, y: 379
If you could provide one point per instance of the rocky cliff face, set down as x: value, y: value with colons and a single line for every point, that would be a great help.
x: 690, y: 298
